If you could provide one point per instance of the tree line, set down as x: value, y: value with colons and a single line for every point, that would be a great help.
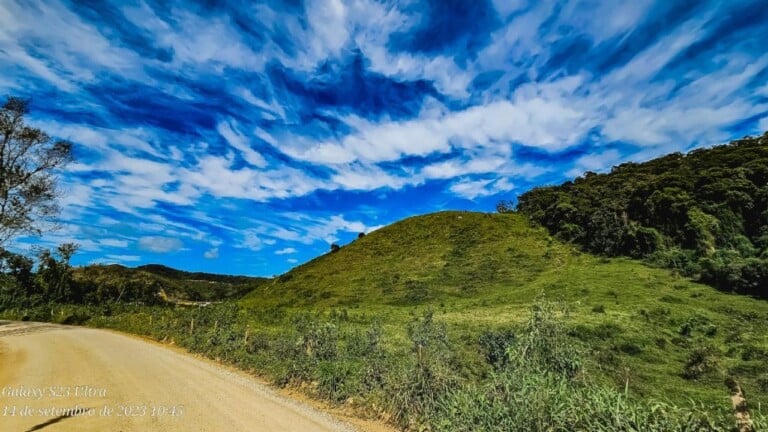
x: 704, y: 214
x: 26, y: 282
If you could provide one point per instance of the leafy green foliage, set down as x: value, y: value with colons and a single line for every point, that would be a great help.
x: 428, y: 375
x: 29, y: 159
x: 543, y: 388
x: 495, y: 344
x: 55, y: 280
x: 143, y: 283
x: 704, y: 213
x: 702, y: 360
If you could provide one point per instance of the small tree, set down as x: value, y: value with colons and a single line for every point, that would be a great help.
x: 28, y: 161
x: 55, y: 275
x: 505, y: 206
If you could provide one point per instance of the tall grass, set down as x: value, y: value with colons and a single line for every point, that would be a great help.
x: 539, y: 381
x: 544, y: 387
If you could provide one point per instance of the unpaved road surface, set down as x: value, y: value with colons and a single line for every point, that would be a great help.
x: 55, y: 378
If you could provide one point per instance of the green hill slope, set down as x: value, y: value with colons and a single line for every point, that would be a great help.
x: 481, y: 272
x: 431, y: 257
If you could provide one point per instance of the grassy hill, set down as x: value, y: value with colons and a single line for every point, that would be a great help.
x: 481, y: 272
x: 177, y: 284
x: 449, y: 255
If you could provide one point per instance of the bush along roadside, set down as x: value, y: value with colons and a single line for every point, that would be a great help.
x: 539, y: 379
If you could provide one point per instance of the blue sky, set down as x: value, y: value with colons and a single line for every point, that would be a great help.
x: 245, y: 137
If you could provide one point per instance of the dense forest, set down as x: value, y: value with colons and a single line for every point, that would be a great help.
x: 704, y: 214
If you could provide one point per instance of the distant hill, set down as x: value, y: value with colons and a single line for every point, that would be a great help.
x: 704, y: 213
x: 171, y: 273
x: 115, y: 281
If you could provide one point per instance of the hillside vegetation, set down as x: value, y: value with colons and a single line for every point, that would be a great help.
x: 25, y: 283
x: 704, y: 214
x: 448, y: 255
x: 468, y: 321
x: 111, y: 282
x: 481, y: 272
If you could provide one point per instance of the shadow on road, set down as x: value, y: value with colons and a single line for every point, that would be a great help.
x: 48, y: 423
x: 52, y: 421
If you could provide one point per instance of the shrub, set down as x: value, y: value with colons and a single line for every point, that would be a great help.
x: 428, y: 376
x: 685, y: 329
x: 495, y: 344
x: 751, y: 352
x: 338, y: 380
x: 701, y: 360
x: 762, y: 383
x: 710, y: 330
x: 545, y: 345
x: 416, y: 291
x: 630, y: 348
x: 258, y: 342
x: 541, y: 390
x: 76, y: 318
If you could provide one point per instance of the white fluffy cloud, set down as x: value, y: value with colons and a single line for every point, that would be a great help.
x: 543, y: 120
x: 160, y: 244
x: 762, y: 125
x: 471, y: 189
x: 123, y: 258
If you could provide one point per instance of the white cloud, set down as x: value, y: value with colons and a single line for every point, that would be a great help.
x: 762, y: 125
x: 236, y: 139
x: 306, y: 229
x: 123, y: 258
x: 215, y: 175
x: 327, y: 20
x: 367, y: 177
x: 286, y: 251
x: 209, y: 42
x: 113, y: 243
x: 595, y: 162
x: 75, y: 51
x: 453, y: 168
x: 292, y: 260
x: 160, y: 244
x: 211, y: 253
x: 471, y: 189
x: 540, y: 116
x: 250, y: 239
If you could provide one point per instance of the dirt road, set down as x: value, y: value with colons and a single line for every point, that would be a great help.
x: 56, y: 379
